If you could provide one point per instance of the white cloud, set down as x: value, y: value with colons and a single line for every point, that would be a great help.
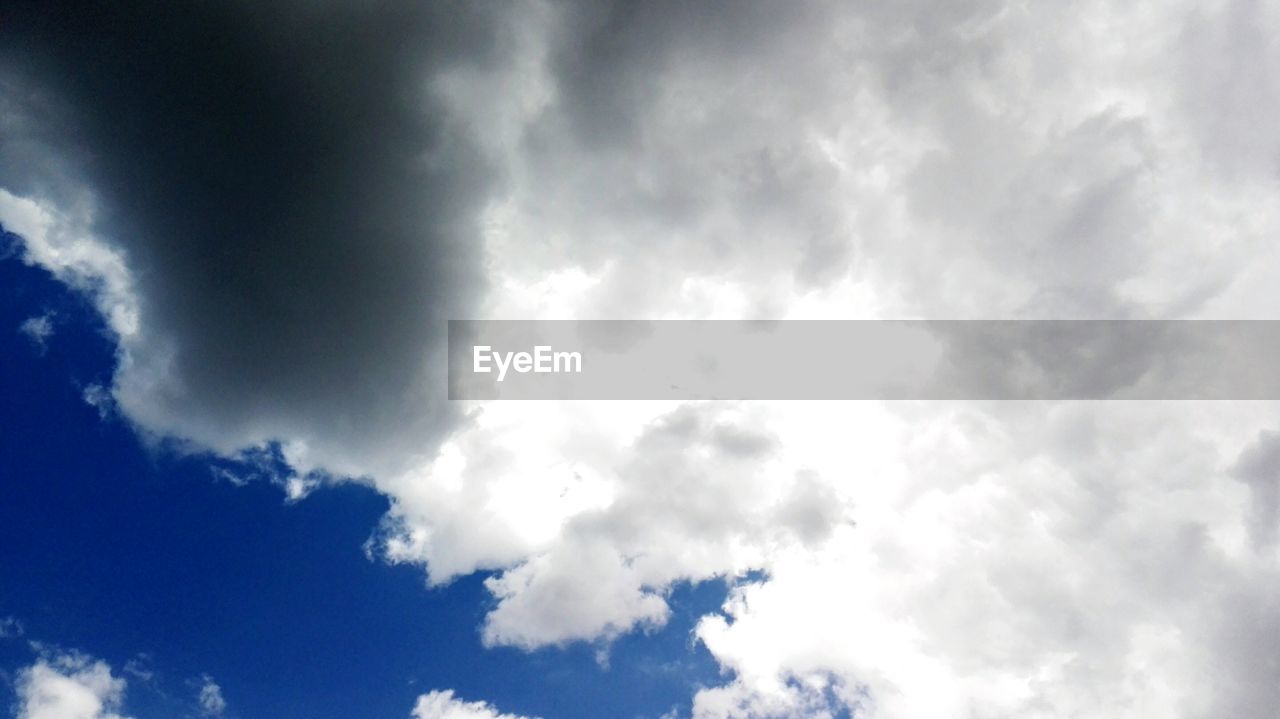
x: 596, y: 510
x: 210, y: 697
x: 99, y: 397
x: 38, y: 329
x: 1036, y: 562
x: 69, y: 687
x: 1034, y: 559
x: 139, y: 667
x: 1045, y: 561
x: 60, y: 241
x: 443, y: 705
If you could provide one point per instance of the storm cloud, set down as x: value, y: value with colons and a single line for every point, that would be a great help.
x: 298, y: 214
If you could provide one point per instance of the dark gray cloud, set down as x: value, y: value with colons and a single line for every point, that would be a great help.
x: 298, y: 213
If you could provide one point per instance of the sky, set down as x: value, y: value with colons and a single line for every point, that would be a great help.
x: 232, y: 484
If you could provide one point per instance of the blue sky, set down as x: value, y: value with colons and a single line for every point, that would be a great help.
x: 141, y: 555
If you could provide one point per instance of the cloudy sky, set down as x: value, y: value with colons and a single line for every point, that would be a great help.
x: 231, y: 484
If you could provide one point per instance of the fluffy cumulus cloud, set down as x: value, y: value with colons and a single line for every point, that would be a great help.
x: 600, y: 523
x: 1063, y: 560
x: 443, y: 705
x: 69, y: 687
x: 276, y: 226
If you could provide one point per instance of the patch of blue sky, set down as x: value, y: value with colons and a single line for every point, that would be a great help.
x: 141, y: 557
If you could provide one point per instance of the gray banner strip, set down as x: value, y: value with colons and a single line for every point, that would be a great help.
x: 890, y: 359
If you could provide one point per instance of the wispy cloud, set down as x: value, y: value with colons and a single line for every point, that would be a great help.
x: 210, y: 697
x: 11, y: 628
x: 39, y: 330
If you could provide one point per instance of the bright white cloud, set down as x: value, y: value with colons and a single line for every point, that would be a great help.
x: 60, y: 240
x: 598, y: 510
x: 443, y: 705
x: 1046, y: 561
x: 69, y: 687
